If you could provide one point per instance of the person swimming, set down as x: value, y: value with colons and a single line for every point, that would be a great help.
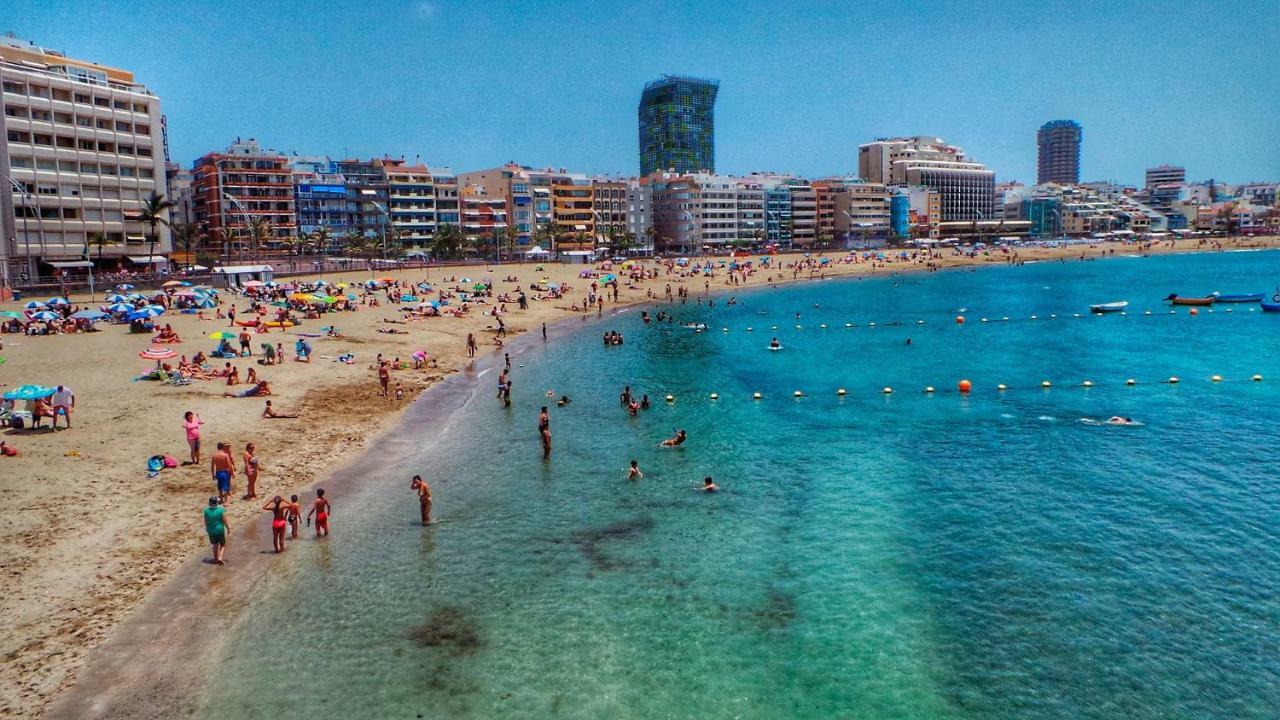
x: 677, y: 439
x: 708, y: 485
x: 774, y: 344
x: 1118, y: 420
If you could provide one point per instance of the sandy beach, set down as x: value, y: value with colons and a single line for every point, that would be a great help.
x: 89, y: 536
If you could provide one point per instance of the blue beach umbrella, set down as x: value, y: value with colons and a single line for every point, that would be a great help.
x: 90, y: 315
x: 55, y: 301
x: 46, y: 316
x: 149, y: 311
x: 116, y: 298
x: 120, y: 307
x: 34, y: 305
x: 205, y: 302
x: 29, y: 392
x: 124, y: 286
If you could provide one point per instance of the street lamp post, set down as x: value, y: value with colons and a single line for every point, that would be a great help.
x: 244, y: 214
x: 28, y: 202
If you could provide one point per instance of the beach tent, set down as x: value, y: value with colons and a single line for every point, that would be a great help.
x: 535, y: 250
x: 230, y: 276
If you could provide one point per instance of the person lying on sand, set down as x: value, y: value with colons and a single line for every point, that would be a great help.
x: 270, y: 412
x: 261, y: 388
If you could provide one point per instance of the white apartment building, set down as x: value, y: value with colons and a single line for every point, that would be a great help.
x: 966, y: 188
x: 83, y: 150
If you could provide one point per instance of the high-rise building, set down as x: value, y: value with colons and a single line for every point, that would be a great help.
x: 966, y: 188
x: 233, y: 192
x: 1165, y: 175
x: 1058, y: 157
x: 677, y: 125
x: 83, y: 150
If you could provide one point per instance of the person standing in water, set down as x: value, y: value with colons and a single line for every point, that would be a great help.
x: 278, y: 509
x: 294, y: 516
x: 424, y: 497
x: 321, y: 510
x: 215, y: 524
x: 544, y: 429
x: 634, y: 473
x: 708, y: 485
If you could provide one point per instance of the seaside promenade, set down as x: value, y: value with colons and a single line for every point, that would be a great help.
x: 88, y: 535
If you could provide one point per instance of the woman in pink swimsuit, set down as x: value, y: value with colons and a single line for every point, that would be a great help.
x: 278, y: 508
x: 191, y: 422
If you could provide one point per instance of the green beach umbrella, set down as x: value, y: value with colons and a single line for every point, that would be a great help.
x: 11, y: 314
x: 222, y: 335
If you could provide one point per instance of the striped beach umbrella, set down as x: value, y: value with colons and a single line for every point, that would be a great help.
x: 34, y: 305
x: 116, y: 298
x: 124, y: 286
x: 45, y: 316
x: 119, y: 307
x: 174, y: 284
x: 56, y: 301
x: 149, y: 311
x: 157, y: 353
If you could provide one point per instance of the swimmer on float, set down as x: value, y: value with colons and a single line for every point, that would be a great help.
x: 774, y: 344
x: 1117, y: 420
x: 677, y: 439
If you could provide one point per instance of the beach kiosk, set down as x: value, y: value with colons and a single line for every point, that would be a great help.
x: 235, y: 276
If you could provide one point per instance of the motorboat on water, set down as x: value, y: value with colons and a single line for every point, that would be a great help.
x: 1200, y: 301
x: 1109, y: 307
x: 1238, y: 297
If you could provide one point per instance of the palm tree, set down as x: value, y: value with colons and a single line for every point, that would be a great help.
x: 154, y: 212
x: 100, y: 241
x: 185, y: 234
x: 548, y: 233
x: 651, y: 234
x: 320, y: 239
x: 228, y: 234
x: 447, y: 241
x: 259, y: 234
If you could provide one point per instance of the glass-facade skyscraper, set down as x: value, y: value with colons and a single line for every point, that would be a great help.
x: 677, y: 125
x: 1058, y: 143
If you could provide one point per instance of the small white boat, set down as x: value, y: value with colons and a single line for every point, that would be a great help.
x: 1109, y: 307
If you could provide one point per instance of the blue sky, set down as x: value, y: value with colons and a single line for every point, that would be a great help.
x: 471, y: 85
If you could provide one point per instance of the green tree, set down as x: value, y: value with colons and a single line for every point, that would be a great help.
x: 260, y: 233
x: 447, y: 243
x: 100, y: 241
x: 185, y: 235
x: 154, y: 212
x: 547, y: 236
x: 650, y: 235
x: 320, y: 240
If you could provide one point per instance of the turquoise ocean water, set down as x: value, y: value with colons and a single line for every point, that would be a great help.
x: 872, y: 556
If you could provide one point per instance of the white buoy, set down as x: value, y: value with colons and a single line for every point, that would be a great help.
x: 919, y: 322
x: 1046, y: 384
x: 888, y: 390
x: 823, y: 326
x: 840, y: 392
x: 1052, y: 316
x: 748, y: 329
x: 848, y: 325
x: 724, y: 329
x: 1173, y: 380
x: 714, y: 396
x: 1130, y: 381
x: 871, y: 324
x: 1002, y: 387
x: 1033, y: 317
x: 799, y: 327
x: 928, y: 389
x: 798, y: 394
x: 1257, y: 378
x: 756, y: 396
x: 671, y: 398
x: 1216, y: 378
x: 1087, y: 383
x: 1004, y: 319
x: 984, y: 319
x: 1147, y: 312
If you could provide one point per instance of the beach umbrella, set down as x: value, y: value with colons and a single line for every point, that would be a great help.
x: 302, y: 297
x: 56, y: 301
x: 478, y: 286
x: 271, y: 284
x: 222, y: 335
x: 137, y: 296
x: 187, y: 292
x: 174, y: 283
x: 29, y: 392
x: 204, y: 302
x: 116, y: 298
x: 90, y: 315
x: 34, y: 305
x: 252, y: 283
x: 45, y: 316
x: 157, y: 354
x: 386, y: 280
x: 119, y: 307
x: 150, y: 310
x: 12, y: 314
x: 125, y: 286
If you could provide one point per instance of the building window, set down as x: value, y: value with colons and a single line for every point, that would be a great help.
x: 101, y: 102
x: 83, y: 98
x: 13, y: 87
x: 47, y: 165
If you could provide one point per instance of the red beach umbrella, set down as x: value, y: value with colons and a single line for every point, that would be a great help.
x: 157, y: 354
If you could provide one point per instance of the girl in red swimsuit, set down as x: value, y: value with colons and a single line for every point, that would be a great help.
x: 278, y: 508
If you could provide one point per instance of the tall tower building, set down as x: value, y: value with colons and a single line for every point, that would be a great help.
x: 1059, y: 152
x: 677, y: 125
x: 82, y: 151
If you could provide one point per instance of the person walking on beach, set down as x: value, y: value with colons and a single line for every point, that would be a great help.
x: 424, y: 497
x: 544, y: 429
x: 231, y: 316
x: 215, y: 524
x: 506, y: 393
x: 250, y: 472
x: 245, y: 342
x: 294, y: 516
x: 384, y: 376
x: 191, y: 424
x: 544, y: 332
x: 471, y: 345
x: 321, y: 510
x: 278, y: 509
x: 223, y: 467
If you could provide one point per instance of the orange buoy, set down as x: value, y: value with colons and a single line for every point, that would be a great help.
x: 1195, y: 311
x: 959, y: 319
x: 964, y: 386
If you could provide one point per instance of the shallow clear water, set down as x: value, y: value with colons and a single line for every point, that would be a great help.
x: 872, y: 556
